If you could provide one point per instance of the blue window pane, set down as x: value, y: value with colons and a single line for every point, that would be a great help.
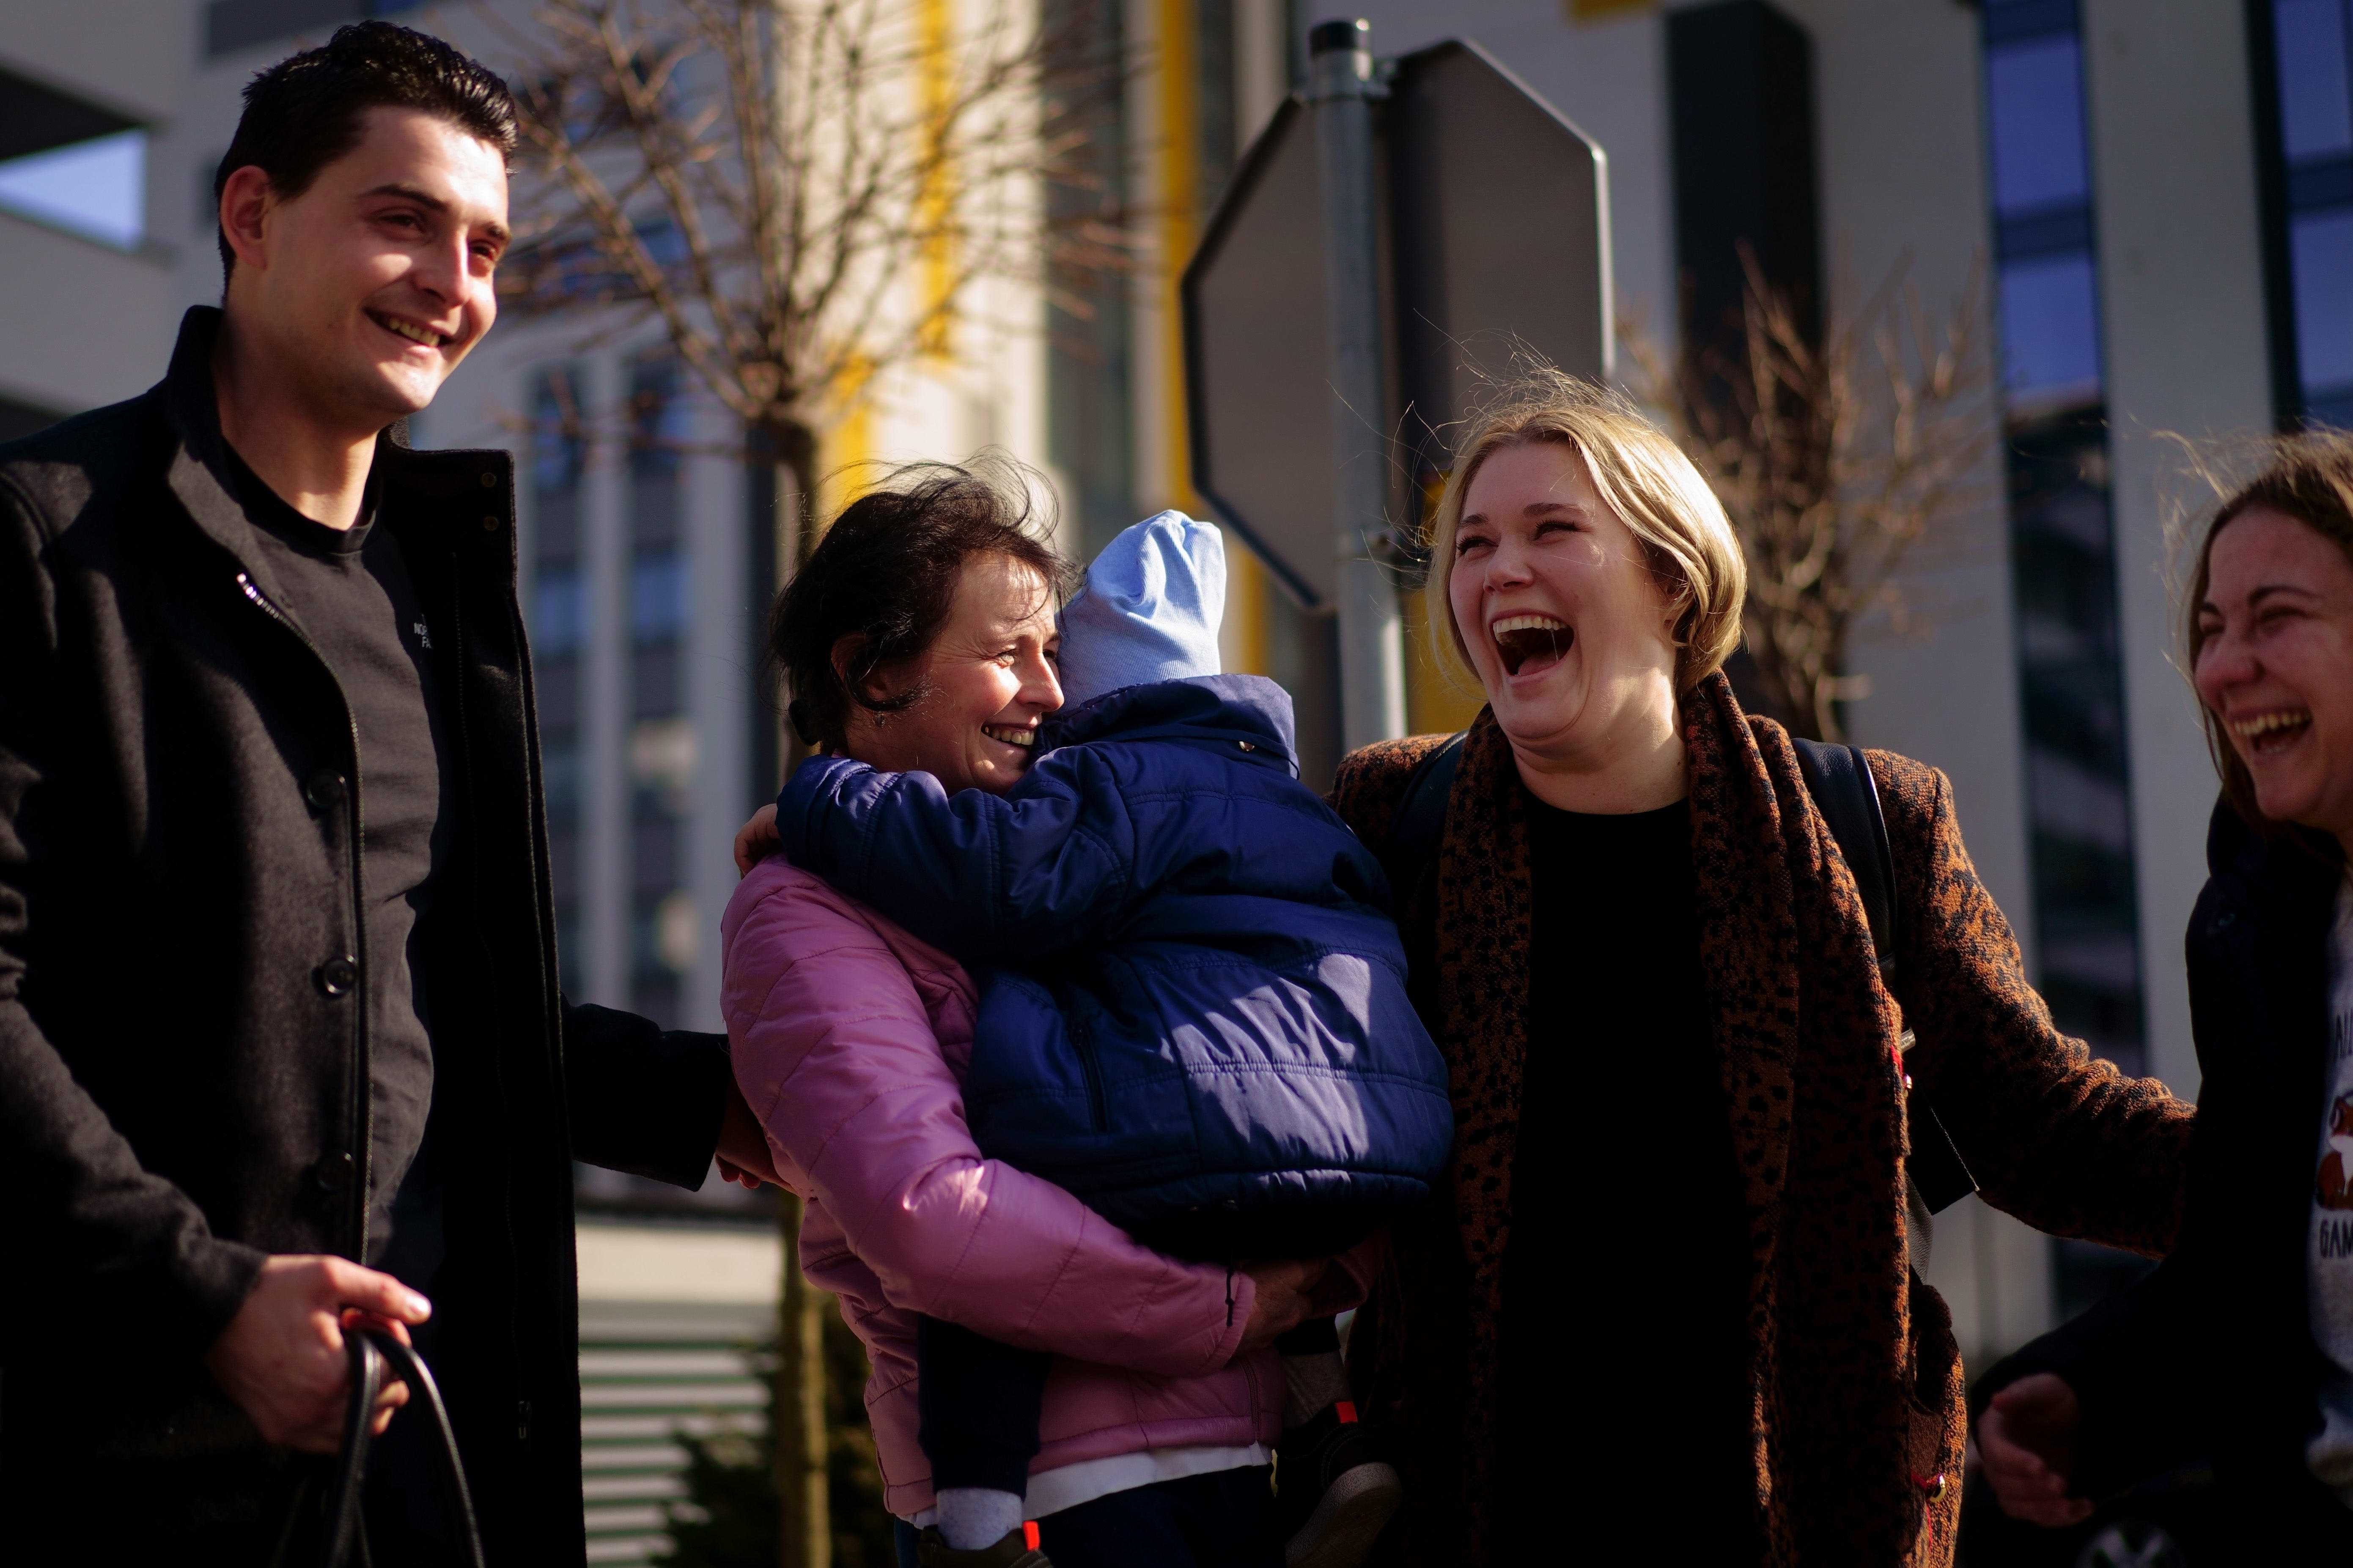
x: 2035, y: 99
x: 2050, y: 329
x: 2315, y: 99
x: 559, y: 613
x: 2321, y: 250
x: 560, y: 774
x: 97, y: 189
x: 658, y: 418
x: 557, y: 451
x: 658, y: 597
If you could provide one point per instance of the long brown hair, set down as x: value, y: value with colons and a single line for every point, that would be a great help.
x: 2310, y: 478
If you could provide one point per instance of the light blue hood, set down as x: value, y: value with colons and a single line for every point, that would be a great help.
x: 1149, y: 610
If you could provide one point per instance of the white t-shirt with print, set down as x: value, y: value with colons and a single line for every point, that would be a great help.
x: 2329, y: 1266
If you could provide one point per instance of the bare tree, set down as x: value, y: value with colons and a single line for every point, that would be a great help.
x: 805, y: 194
x: 1835, y: 458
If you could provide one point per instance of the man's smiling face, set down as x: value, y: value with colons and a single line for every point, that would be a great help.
x: 372, y: 285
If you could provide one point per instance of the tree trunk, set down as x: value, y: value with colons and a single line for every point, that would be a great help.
x: 781, y: 456
x: 806, y: 1538
x: 797, y: 531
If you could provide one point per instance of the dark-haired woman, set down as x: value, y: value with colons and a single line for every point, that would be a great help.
x: 918, y: 639
x: 2239, y: 1347
x: 1669, y: 1287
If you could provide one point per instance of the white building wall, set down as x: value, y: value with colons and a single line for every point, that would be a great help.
x: 1900, y: 139
x: 128, y: 56
x: 2182, y: 283
x: 91, y: 324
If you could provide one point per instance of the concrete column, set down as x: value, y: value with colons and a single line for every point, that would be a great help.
x: 2173, y: 168
x: 604, y: 717
x: 718, y: 696
x: 1901, y: 143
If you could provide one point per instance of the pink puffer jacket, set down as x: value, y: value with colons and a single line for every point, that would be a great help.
x: 850, y: 1037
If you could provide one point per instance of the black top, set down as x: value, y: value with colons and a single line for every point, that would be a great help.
x: 1624, y: 1386
x: 2227, y: 1315
x: 349, y: 589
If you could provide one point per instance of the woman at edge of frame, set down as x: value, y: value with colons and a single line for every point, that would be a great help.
x: 2239, y: 1349
x: 1688, y: 1307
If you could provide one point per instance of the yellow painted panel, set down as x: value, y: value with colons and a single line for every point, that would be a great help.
x: 1179, y: 143
x: 935, y: 204
x: 1246, y: 586
x: 849, y: 452
x: 1435, y: 702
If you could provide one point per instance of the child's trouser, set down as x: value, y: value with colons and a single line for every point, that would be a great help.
x: 978, y: 1401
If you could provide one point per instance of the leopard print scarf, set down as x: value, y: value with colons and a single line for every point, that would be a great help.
x: 1814, y: 1091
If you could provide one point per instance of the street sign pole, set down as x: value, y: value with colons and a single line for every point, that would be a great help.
x: 1372, y: 642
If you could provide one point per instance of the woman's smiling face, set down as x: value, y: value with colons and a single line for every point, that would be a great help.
x: 986, y: 681
x: 2275, y: 664
x: 1567, y: 625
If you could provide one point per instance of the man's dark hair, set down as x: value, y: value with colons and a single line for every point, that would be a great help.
x: 887, y: 571
x: 308, y: 110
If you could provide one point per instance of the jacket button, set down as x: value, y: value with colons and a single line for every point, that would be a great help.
x: 336, y: 976
x: 324, y: 790
x: 334, y: 1170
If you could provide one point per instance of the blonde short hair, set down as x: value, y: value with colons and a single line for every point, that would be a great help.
x: 1641, y: 476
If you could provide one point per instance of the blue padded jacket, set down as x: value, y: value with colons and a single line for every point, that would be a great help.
x: 1193, y: 1008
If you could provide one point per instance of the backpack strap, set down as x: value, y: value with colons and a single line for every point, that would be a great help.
x: 1411, y: 857
x: 1848, y: 797
x: 1844, y: 793
x: 1420, y: 820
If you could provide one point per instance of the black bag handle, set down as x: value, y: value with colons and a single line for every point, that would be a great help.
x: 373, y: 1351
x: 1839, y: 780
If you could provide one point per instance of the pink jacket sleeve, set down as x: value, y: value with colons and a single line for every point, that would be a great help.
x: 831, y: 1016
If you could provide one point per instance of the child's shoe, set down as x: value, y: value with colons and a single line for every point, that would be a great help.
x: 1018, y: 1550
x: 1333, y: 1491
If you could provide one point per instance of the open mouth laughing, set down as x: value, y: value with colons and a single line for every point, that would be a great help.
x: 415, y: 331
x: 2264, y: 733
x: 1009, y: 735
x: 1531, y: 643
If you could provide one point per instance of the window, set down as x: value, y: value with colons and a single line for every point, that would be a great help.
x: 2062, y: 556
x: 233, y: 24
x: 2304, y: 75
x: 661, y: 750
x: 560, y: 629
x: 2063, y: 549
x: 72, y: 165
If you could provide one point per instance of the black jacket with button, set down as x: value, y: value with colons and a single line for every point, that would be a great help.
x: 182, y: 1060
x: 2212, y: 1356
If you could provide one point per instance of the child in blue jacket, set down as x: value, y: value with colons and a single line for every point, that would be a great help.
x: 1193, y: 1010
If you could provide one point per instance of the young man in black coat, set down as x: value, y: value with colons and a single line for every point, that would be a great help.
x: 278, y: 1010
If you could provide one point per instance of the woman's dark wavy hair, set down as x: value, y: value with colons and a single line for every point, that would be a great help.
x: 309, y: 108
x: 886, y: 573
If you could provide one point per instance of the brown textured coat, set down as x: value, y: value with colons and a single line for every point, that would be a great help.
x: 1855, y: 1379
